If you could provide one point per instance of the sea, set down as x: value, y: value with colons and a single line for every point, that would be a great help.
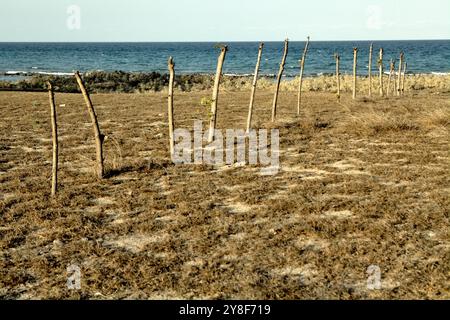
x: 19, y: 60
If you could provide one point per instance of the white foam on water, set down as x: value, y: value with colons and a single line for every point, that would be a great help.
x: 56, y: 73
x: 440, y: 73
x: 15, y: 73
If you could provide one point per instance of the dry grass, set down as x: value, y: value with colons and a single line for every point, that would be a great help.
x: 362, y: 183
x: 413, y: 83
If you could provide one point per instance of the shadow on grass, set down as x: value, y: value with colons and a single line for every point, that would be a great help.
x: 143, y: 167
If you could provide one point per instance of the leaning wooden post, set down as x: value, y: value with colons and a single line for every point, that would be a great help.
x: 302, y: 69
x: 370, y: 69
x: 171, y: 67
x: 355, y: 63
x: 404, y: 78
x: 54, y: 138
x: 338, y: 77
x: 255, y: 81
x: 391, y: 72
x: 215, y: 97
x: 399, y: 84
x: 280, y: 74
x: 380, y: 65
x: 99, y: 138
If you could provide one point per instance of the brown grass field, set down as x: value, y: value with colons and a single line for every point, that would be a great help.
x: 362, y: 183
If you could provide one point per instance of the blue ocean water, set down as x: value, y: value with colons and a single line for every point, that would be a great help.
x: 431, y: 56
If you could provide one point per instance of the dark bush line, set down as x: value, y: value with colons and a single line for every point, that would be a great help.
x: 106, y: 82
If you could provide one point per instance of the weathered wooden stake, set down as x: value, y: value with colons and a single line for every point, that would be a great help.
x: 280, y: 74
x: 404, y: 78
x: 338, y: 77
x: 215, y: 97
x: 380, y: 65
x: 399, y: 79
x: 302, y: 69
x: 370, y: 69
x: 391, y: 72
x: 54, y: 138
x: 355, y: 63
x: 255, y: 81
x: 171, y: 67
x: 99, y: 138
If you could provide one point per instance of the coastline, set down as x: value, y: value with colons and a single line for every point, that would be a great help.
x: 141, y: 82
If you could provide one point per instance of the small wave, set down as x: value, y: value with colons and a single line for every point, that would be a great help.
x: 440, y: 73
x: 44, y: 73
x: 320, y: 74
x: 56, y: 73
x: 238, y: 74
x: 15, y: 73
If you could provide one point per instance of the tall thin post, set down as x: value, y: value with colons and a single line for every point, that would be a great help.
x: 99, y: 138
x: 370, y: 69
x: 255, y: 81
x: 171, y: 67
x: 380, y: 65
x: 399, y: 79
x: 302, y: 69
x: 404, y: 78
x: 355, y: 64
x: 338, y: 77
x: 280, y: 74
x: 391, y: 73
x: 54, y: 139
x: 215, y: 97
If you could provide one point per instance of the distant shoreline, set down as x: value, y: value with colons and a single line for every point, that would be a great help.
x: 13, y: 76
x: 140, y: 82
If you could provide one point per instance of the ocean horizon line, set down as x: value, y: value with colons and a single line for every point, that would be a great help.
x: 227, y: 41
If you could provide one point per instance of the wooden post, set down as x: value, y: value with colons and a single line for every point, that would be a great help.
x: 404, y: 78
x: 255, y: 81
x: 380, y: 65
x: 399, y: 84
x: 280, y: 74
x: 171, y: 67
x: 338, y: 77
x: 54, y: 138
x: 391, y: 72
x: 215, y: 97
x: 355, y: 63
x: 395, y: 81
x: 99, y: 138
x: 302, y: 69
x: 370, y: 69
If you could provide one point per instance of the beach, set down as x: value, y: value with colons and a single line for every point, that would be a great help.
x: 362, y: 182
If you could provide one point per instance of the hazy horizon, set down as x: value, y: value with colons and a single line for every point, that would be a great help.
x: 229, y: 41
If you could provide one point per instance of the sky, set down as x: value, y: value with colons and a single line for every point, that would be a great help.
x: 229, y: 20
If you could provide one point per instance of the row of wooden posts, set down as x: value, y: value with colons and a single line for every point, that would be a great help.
x: 399, y: 84
x: 99, y: 137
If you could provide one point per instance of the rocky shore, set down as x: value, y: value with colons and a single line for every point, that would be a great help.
x: 128, y: 82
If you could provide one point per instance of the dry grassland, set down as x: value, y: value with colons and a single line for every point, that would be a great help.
x: 362, y: 183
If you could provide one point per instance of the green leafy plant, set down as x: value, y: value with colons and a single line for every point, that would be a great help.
x: 207, y: 102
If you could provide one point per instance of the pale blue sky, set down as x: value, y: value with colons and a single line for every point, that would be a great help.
x: 229, y: 20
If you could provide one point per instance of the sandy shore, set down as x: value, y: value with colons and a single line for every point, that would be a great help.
x: 362, y: 183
